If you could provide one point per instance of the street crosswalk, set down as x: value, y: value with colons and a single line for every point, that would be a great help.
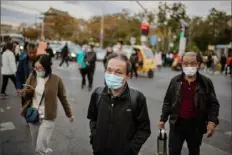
x: 8, y: 126
x: 206, y: 149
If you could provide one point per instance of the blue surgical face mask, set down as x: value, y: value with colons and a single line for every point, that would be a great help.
x: 40, y: 74
x: 113, y: 81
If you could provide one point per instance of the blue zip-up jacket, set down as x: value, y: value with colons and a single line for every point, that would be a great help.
x: 22, y: 71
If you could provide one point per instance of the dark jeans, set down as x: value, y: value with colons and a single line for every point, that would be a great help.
x: 88, y: 72
x: 134, y: 70
x: 223, y: 68
x: 181, y: 131
x: 64, y: 59
x: 83, y: 74
x: 5, y: 82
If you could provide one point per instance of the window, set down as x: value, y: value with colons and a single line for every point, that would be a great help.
x: 148, y: 53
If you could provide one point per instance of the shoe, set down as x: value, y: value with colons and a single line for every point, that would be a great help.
x: 49, y: 151
x: 90, y: 88
x: 4, y: 96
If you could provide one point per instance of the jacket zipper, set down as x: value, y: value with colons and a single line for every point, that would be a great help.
x: 110, y: 123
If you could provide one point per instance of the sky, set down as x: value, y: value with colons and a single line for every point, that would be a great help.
x: 16, y: 12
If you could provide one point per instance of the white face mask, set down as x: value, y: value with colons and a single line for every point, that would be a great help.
x: 190, y: 71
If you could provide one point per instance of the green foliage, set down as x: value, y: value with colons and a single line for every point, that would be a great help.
x: 214, y: 29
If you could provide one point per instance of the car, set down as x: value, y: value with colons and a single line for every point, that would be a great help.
x: 56, y: 48
x: 127, y: 49
x: 100, y: 53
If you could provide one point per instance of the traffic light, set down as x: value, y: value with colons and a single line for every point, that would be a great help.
x: 145, y: 29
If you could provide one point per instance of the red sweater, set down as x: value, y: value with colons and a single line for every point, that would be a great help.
x: 187, y: 107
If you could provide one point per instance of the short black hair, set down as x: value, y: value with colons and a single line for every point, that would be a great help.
x: 10, y: 46
x: 45, y: 61
x: 31, y: 46
x: 123, y: 57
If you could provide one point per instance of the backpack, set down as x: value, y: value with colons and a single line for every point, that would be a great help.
x: 133, y: 97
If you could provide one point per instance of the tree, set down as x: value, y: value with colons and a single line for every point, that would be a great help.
x: 169, y: 21
x: 31, y: 33
x: 62, y: 26
x: 210, y: 31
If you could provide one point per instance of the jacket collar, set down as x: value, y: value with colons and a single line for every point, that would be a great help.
x: 181, y: 77
x: 123, y: 95
x: 199, y: 79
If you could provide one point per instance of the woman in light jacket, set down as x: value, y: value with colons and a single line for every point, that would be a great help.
x: 41, y: 91
x: 8, y: 68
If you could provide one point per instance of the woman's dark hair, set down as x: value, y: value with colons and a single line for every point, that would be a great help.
x: 123, y: 57
x: 8, y: 46
x: 45, y: 61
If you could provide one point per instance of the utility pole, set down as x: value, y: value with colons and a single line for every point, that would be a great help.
x: 182, y: 43
x: 42, y: 30
x: 42, y: 24
x: 169, y: 38
x: 102, y: 31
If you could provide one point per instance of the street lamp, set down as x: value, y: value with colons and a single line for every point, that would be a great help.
x: 42, y: 24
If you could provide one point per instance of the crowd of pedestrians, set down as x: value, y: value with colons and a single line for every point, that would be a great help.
x: 118, y: 114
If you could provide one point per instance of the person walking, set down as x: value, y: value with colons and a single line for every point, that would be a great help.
x: 134, y: 64
x: 25, y: 67
x: 82, y: 67
x: 90, y: 59
x: 109, y: 51
x: 223, y: 62
x: 8, y: 68
x: 118, y: 114
x: 49, y: 51
x: 192, y: 107
x: 215, y: 62
x: 64, y: 55
x: 41, y: 92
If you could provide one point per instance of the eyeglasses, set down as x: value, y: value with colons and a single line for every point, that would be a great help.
x: 193, y: 64
x: 38, y: 68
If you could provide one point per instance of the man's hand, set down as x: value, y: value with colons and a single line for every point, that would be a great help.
x: 161, y: 125
x: 210, y: 129
x: 71, y: 119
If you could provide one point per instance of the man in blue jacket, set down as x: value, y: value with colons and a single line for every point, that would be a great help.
x: 25, y: 67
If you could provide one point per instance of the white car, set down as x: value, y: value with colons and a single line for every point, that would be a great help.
x: 100, y: 53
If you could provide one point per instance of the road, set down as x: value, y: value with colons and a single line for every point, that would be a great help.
x: 73, y: 138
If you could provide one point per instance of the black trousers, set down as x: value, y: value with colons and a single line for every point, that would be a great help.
x: 64, y: 59
x: 181, y: 131
x: 134, y: 70
x: 5, y: 79
x: 223, y: 67
x: 83, y: 75
x: 88, y: 72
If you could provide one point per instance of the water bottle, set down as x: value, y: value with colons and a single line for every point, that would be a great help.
x: 162, y: 142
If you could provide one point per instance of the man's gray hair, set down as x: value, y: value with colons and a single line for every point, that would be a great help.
x: 190, y: 54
